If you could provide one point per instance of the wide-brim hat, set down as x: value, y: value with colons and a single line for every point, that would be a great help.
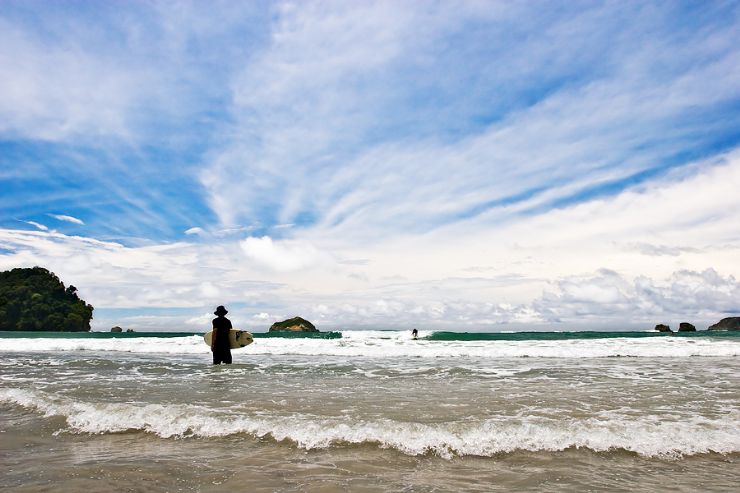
x: 221, y: 311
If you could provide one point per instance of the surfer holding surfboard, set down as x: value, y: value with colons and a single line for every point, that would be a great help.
x: 220, y: 345
x: 222, y: 339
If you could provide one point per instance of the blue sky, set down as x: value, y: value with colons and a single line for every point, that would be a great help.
x: 468, y: 165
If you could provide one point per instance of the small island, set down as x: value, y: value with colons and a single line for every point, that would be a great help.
x: 295, y: 324
x: 686, y: 327
x: 729, y: 323
x: 36, y: 300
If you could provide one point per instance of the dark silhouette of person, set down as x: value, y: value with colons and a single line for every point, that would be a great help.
x: 414, y: 333
x: 220, y: 346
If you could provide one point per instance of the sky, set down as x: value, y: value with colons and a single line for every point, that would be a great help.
x: 454, y: 165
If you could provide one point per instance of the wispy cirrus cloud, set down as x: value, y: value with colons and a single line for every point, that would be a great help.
x: 112, y: 108
x: 487, y: 163
x: 544, y: 270
x: 560, y: 131
x: 36, y: 225
x: 66, y: 218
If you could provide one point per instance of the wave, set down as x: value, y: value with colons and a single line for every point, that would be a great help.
x: 386, y: 344
x: 282, y: 334
x: 569, y: 335
x: 647, y: 436
x: 172, y: 345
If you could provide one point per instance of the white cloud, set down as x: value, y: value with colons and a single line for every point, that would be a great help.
x: 209, y: 291
x: 282, y: 255
x: 194, y: 231
x: 37, y: 225
x: 55, y: 91
x: 226, y: 232
x: 65, y: 218
x: 659, y: 250
x: 538, y: 270
x: 685, y: 295
x: 71, y: 75
x: 111, y: 275
x: 203, y: 320
x: 303, y: 107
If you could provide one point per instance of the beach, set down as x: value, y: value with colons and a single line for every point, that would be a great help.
x: 546, y: 191
x: 371, y: 411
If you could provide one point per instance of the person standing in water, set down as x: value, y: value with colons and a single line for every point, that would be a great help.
x: 220, y: 346
x: 414, y: 334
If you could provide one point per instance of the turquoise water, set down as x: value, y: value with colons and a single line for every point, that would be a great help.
x: 570, y: 335
x: 134, y: 335
x: 431, y: 336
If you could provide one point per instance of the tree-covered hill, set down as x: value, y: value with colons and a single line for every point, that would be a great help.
x: 35, y: 299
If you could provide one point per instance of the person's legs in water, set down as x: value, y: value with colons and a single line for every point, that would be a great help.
x: 221, y: 356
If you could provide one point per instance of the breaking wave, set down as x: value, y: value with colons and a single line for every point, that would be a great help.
x: 387, y: 344
x: 649, y: 436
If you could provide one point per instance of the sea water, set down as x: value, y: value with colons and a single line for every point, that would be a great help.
x: 371, y: 411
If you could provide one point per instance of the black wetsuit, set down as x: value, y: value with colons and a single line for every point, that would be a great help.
x: 221, y: 349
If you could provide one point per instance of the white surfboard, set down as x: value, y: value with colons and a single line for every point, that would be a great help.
x: 237, y: 338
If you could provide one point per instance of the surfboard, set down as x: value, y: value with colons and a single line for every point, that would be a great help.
x: 237, y: 338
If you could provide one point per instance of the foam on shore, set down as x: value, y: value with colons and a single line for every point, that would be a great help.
x: 645, y: 435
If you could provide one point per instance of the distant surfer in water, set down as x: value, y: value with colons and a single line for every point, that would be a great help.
x: 414, y: 334
x: 220, y: 346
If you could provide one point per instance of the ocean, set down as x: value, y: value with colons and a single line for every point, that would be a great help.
x: 371, y: 411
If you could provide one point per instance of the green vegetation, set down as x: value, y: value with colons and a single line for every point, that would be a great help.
x: 295, y: 324
x: 35, y: 299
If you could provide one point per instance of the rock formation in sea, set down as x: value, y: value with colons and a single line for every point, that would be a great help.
x: 116, y: 329
x: 686, y: 327
x: 663, y: 328
x: 729, y: 323
x: 295, y: 324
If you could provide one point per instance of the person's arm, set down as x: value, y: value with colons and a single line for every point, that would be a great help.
x: 213, y: 338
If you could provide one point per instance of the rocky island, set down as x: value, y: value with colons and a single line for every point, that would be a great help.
x: 295, y: 324
x: 36, y: 300
x: 729, y: 323
x: 686, y: 327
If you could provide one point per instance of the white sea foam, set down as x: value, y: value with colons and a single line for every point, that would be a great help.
x: 171, y: 345
x: 383, y: 344
x: 649, y: 436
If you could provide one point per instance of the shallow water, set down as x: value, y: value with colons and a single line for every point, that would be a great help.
x: 371, y: 411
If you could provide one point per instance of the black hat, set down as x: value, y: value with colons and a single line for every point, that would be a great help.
x: 221, y: 311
